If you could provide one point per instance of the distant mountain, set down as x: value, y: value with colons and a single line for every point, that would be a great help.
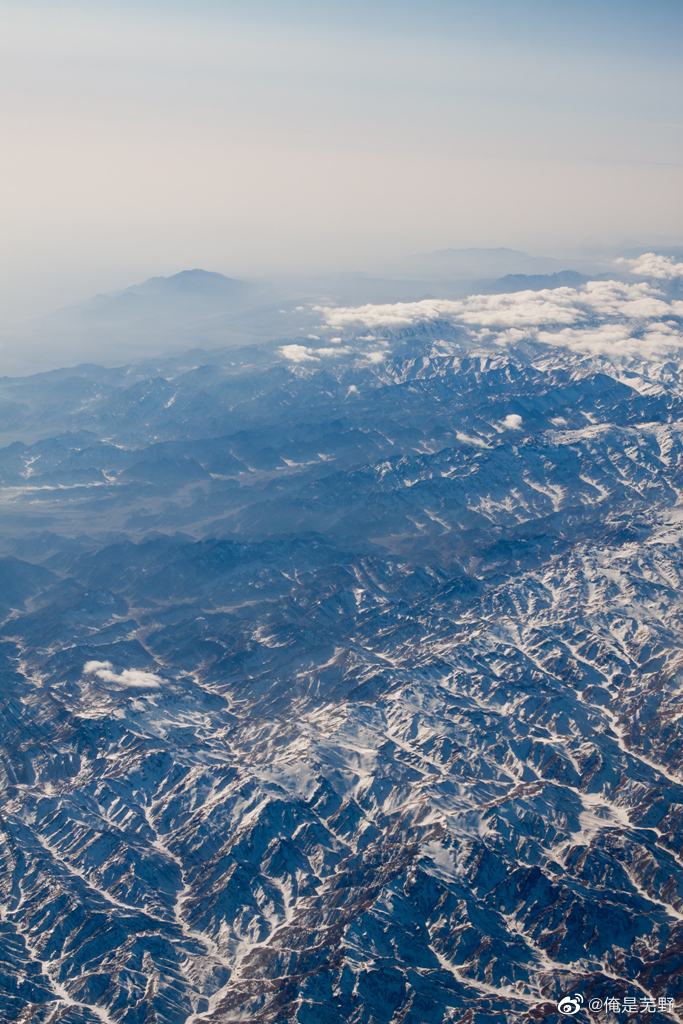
x: 533, y: 282
x: 162, y: 314
x: 488, y: 263
x: 674, y: 251
x: 188, y: 292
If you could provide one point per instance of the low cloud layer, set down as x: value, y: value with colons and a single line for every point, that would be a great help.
x: 616, y: 318
x: 135, y: 677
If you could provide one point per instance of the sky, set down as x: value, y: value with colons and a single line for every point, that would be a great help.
x: 295, y: 136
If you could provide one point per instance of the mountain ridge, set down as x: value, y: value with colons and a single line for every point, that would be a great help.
x: 342, y: 679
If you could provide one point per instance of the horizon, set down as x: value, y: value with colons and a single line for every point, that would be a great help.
x: 406, y: 265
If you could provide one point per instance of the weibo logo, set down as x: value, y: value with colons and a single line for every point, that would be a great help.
x: 570, y: 1004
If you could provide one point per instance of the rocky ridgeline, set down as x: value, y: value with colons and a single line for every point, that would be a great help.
x: 343, y: 696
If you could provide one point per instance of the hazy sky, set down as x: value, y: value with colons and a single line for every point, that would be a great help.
x: 143, y: 138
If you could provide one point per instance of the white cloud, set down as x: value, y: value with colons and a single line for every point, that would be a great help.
x: 298, y: 353
x: 397, y: 314
x: 341, y: 351
x: 303, y: 354
x: 613, y: 298
x: 512, y: 421
x: 520, y: 309
x: 651, y: 264
x: 129, y: 677
x: 604, y: 317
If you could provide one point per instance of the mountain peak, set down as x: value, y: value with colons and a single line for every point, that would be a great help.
x: 191, y: 282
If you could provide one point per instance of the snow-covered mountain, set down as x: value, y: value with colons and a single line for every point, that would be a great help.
x: 341, y: 674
